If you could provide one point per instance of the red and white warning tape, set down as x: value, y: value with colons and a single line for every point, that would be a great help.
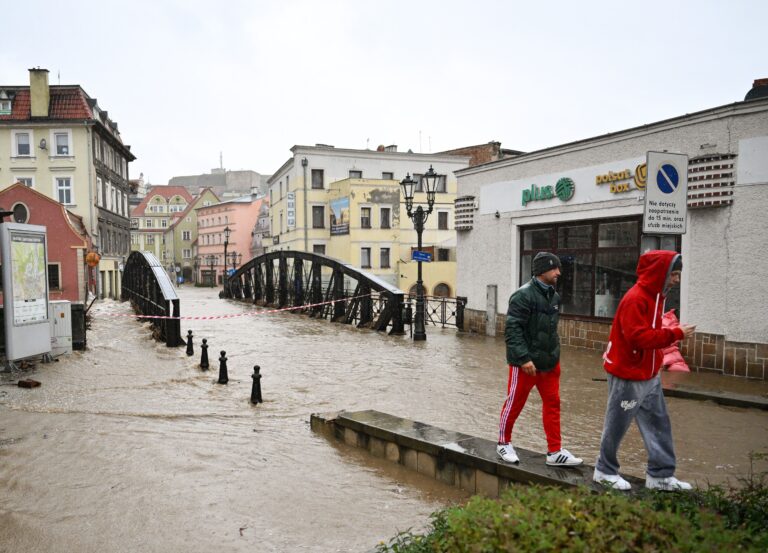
x: 233, y: 315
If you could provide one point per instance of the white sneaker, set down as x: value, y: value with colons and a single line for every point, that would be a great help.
x: 563, y: 458
x: 611, y: 480
x: 507, y: 453
x: 668, y: 484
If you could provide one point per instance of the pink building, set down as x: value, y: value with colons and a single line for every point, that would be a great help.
x: 239, y: 216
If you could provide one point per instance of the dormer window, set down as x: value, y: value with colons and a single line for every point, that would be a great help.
x: 5, y: 107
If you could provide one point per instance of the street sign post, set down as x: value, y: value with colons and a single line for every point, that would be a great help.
x: 417, y: 255
x: 666, y: 194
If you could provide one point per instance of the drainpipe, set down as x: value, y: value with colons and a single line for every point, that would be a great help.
x: 93, y: 218
x: 304, y: 164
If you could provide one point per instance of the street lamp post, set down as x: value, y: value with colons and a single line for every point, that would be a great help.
x: 195, y: 266
x: 235, y: 258
x: 419, y: 217
x: 227, y: 232
x: 211, y: 262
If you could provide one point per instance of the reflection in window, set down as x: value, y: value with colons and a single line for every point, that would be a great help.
x: 575, y: 284
x: 617, y: 234
x: 615, y: 275
x: 574, y: 237
x: 537, y: 239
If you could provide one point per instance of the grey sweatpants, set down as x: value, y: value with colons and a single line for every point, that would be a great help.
x: 643, y: 401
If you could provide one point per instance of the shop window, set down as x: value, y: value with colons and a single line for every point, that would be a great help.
x: 537, y: 239
x: 599, y: 261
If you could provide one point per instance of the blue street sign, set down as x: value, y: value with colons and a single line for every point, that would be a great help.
x: 417, y: 255
x: 667, y: 178
x: 230, y: 272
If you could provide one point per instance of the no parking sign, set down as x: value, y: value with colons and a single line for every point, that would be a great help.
x: 666, y: 193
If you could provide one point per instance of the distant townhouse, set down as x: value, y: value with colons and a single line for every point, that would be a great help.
x: 154, y: 216
x: 224, y: 236
x: 347, y: 204
x: 58, y: 141
x: 181, y: 237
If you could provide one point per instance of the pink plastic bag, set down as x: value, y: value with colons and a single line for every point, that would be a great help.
x: 673, y: 359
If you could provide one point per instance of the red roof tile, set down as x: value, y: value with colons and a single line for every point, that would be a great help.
x: 166, y: 192
x: 66, y: 102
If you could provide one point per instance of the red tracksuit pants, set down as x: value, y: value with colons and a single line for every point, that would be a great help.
x: 518, y: 388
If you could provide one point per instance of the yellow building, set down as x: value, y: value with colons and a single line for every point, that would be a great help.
x: 57, y: 140
x: 347, y: 204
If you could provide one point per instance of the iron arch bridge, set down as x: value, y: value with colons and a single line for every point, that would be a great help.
x: 321, y: 286
x: 149, y: 289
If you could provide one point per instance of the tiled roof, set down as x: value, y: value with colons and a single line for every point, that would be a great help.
x: 166, y: 192
x: 67, y: 102
x: 191, y: 205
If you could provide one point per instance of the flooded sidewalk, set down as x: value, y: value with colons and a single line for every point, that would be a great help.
x: 129, y: 446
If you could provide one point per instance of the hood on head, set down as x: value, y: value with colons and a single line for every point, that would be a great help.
x: 653, y: 268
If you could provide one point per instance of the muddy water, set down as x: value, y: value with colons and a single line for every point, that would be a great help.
x: 129, y: 447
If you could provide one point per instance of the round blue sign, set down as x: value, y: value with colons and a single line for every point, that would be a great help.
x: 667, y: 178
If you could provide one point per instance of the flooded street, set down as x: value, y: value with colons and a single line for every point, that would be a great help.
x: 130, y: 447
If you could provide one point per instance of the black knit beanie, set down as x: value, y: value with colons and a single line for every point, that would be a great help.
x: 545, y: 261
x: 678, y: 264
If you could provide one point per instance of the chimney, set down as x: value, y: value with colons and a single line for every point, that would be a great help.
x: 759, y: 90
x: 39, y: 92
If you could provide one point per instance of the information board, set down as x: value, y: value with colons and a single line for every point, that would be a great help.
x: 25, y: 290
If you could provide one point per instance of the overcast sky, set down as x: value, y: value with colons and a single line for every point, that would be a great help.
x: 187, y: 79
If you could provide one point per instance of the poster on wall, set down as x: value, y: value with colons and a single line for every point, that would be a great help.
x: 340, y: 216
x: 25, y: 290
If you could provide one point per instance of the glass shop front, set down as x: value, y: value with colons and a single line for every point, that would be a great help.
x: 599, y: 260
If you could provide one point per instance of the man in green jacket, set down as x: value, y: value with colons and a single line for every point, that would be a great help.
x: 533, y: 356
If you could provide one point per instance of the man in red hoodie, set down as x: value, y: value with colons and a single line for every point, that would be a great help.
x: 633, y: 360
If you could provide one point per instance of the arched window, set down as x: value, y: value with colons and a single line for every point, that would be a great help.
x: 413, y: 290
x: 442, y: 290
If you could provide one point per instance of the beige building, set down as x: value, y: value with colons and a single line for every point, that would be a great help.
x: 347, y: 204
x: 152, y: 218
x: 58, y: 141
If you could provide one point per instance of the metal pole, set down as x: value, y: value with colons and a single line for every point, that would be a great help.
x: 419, y: 332
x: 224, y: 270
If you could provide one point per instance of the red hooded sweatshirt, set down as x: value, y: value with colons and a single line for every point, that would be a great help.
x: 637, y: 338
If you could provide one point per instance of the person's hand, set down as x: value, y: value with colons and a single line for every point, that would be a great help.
x: 688, y: 330
x: 529, y: 368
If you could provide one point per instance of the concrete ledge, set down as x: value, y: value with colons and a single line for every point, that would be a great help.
x: 723, y: 398
x: 457, y: 459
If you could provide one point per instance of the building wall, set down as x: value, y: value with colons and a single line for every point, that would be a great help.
x: 720, y: 292
x: 64, y: 244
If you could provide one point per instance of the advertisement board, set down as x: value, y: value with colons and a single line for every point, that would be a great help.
x: 340, y: 216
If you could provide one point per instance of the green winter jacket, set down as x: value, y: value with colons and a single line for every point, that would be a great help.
x: 531, y: 329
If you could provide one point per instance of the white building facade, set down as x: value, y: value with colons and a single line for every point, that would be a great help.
x: 584, y: 201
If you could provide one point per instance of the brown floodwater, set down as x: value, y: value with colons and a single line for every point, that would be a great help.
x: 130, y: 447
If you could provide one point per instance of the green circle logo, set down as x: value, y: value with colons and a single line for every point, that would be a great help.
x: 565, y: 188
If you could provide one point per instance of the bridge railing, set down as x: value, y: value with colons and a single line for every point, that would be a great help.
x: 149, y: 289
x: 320, y: 286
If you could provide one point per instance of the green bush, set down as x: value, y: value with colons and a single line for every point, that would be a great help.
x: 551, y: 519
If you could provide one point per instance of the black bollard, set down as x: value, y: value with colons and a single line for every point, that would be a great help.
x: 204, y: 356
x: 256, y: 390
x: 223, y: 375
x: 190, y: 350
